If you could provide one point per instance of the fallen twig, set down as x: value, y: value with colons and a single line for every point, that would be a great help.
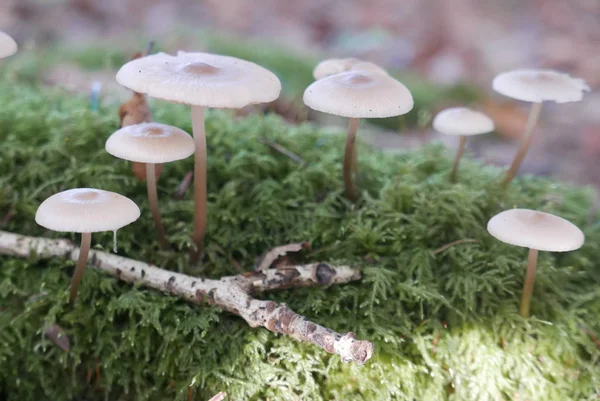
x: 269, y: 259
x: 279, y: 148
x: 58, y: 337
x: 232, y: 293
x: 184, y: 185
x: 460, y: 241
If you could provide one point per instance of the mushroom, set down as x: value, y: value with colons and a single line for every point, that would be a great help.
x: 536, y: 86
x: 336, y: 65
x: 150, y: 144
x: 200, y: 80
x: 537, y: 231
x: 8, y: 46
x: 86, y: 211
x: 357, y: 94
x: 463, y: 122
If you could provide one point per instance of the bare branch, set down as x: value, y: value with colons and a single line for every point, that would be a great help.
x: 232, y: 293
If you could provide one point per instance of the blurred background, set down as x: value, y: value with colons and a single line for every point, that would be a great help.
x: 446, y: 51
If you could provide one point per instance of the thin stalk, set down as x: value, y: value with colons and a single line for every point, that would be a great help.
x: 529, y: 280
x: 459, y: 153
x: 350, y: 159
x: 199, y: 181
x: 153, y: 200
x: 534, y: 116
x: 84, y: 249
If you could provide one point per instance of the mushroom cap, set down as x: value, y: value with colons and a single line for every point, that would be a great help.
x: 86, y: 210
x: 200, y: 79
x: 150, y: 143
x: 359, y: 94
x: 540, y: 85
x: 8, y: 46
x: 462, y: 121
x: 536, y: 230
x: 336, y: 65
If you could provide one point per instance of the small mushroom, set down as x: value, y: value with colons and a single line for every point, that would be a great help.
x: 357, y: 94
x: 8, y: 46
x: 336, y: 65
x: 537, y: 231
x: 463, y: 122
x: 150, y: 144
x: 536, y: 86
x: 200, y: 80
x: 85, y: 211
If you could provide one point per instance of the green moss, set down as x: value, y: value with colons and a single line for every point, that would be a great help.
x: 445, y: 326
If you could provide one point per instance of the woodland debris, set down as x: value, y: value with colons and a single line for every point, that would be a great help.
x: 275, y: 257
x: 219, y: 396
x: 57, y: 335
x: 451, y: 244
x: 288, y: 153
x: 231, y: 293
x: 184, y: 185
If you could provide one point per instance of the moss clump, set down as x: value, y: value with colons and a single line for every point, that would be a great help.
x: 445, y: 326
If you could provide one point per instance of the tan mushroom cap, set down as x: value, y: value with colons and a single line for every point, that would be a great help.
x: 8, y: 46
x: 336, y: 65
x: 86, y: 210
x: 150, y: 143
x: 359, y: 94
x: 201, y: 79
x: 540, y: 85
x: 462, y: 121
x: 536, y: 230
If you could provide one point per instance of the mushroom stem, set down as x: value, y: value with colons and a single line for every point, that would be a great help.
x: 534, y: 116
x: 153, y: 200
x: 350, y: 159
x: 84, y: 249
x: 529, y: 280
x: 459, y: 153
x: 199, y: 181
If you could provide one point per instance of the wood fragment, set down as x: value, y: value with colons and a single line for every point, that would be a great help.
x: 57, y: 335
x: 219, y: 396
x: 288, y: 153
x: 451, y: 244
x: 184, y: 185
x: 269, y: 259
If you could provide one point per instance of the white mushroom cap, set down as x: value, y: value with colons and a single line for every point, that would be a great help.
x: 150, y: 143
x: 359, y: 94
x: 536, y: 230
x: 8, y: 46
x: 336, y: 65
x: 462, y: 121
x: 200, y: 79
x: 540, y: 85
x: 86, y: 210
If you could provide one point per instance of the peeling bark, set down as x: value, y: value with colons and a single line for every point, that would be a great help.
x: 231, y: 293
x: 270, y: 258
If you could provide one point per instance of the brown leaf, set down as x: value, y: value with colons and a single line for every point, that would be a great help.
x: 56, y: 334
x: 275, y: 256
